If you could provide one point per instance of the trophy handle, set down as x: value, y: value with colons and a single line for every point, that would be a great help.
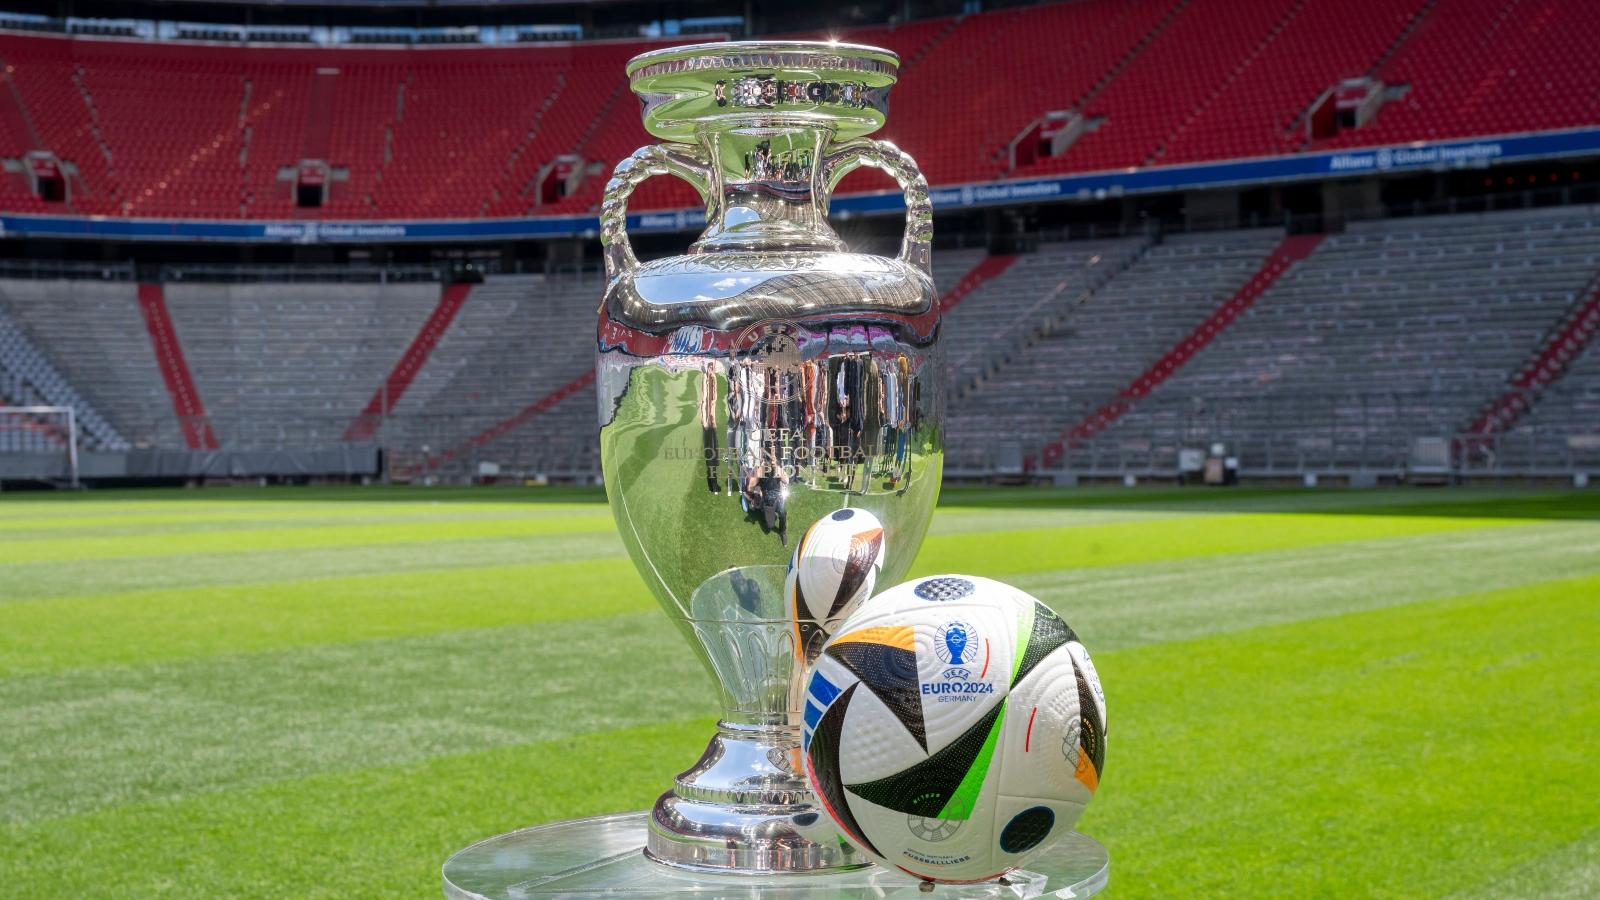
x: 845, y: 158
x: 685, y: 161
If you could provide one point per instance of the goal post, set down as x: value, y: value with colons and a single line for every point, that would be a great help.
x: 39, y: 443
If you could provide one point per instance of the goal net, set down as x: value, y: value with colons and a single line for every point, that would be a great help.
x: 39, y: 443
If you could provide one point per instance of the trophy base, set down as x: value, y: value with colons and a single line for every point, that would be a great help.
x: 743, y: 807
x: 604, y: 856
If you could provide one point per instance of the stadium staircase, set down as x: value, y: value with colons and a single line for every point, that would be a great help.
x: 319, y: 114
x: 502, y: 428
x: 186, y: 402
x: 1285, y: 256
x: 1007, y: 326
x: 412, y: 361
x: 1564, y: 426
x: 1548, y: 363
x: 991, y: 266
x: 510, y: 382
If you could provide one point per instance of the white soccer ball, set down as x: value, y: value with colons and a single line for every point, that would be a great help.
x: 834, y: 569
x: 953, y: 726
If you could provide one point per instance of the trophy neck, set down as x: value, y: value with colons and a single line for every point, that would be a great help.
x: 766, y: 191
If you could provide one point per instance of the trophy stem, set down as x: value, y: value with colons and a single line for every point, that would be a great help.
x: 745, y: 807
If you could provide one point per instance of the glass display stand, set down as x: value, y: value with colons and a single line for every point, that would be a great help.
x: 604, y: 856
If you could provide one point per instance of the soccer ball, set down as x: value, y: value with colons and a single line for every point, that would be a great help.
x: 952, y: 726
x: 834, y: 568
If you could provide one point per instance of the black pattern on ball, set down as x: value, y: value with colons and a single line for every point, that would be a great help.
x: 1049, y: 633
x: 942, y: 589
x: 890, y: 673
x: 924, y: 788
x: 1093, y: 735
x: 843, y: 514
x: 1026, y: 829
x: 824, y: 763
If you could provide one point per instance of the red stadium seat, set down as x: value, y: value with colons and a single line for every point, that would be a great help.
x: 192, y: 130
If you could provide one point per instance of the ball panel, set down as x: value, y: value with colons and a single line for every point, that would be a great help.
x: 822, y: 768
x: 1041, y: 741
x: 883, y: 659
x: 878, y: 743
x: 950, y: 850
x: 1080, y: 655
x: 1091, y: 734
x: 929, y: 787
x: 827, y: 681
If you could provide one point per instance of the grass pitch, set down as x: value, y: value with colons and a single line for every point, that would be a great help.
x: 296, y: 693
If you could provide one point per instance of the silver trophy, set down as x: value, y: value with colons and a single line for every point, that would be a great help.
x: 764, y: 380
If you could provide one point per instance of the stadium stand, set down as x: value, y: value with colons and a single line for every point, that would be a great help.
x: 1547, y: 364
x: 408, y: 132
x: 1562, y: 431
x: 95, y: 356
x: 1392, y: 331
x: 1490, y: 67
x: 290, y: 365
x: 508, y: 383
x: 1109, y: 338
x: 1008, y: 312
x: 1290, y: 251
x: 394, y: 388
x: 1387, y: 333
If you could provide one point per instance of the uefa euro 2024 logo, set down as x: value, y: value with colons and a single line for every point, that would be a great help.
x: 954, y: 643
x: 959, y: 647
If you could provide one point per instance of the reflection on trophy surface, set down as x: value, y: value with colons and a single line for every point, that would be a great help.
x: 764, y: 381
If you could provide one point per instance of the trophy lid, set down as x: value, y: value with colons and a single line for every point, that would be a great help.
x: 683, y: 89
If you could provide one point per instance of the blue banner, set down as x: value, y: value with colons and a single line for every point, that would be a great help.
x: 1420, y: 156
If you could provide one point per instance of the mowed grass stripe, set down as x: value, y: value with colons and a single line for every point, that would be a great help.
x: 1569, y: 872
x: 46, y: 503
x: 375, y: 832
x: 84, y: 739
x: 23, y: 519
x: 307, y: 518
x: 979, y: 509
x: 1121, y: 606
x: 1047, y: 549
x: 127, y: 562
x: 1129, y: 606
x: 42, y: 635
x: 33, y: 581
x: 203, y: 540
x: 1412, y: 751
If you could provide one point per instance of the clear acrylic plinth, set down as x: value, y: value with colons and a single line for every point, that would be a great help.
x: 604, y: 856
